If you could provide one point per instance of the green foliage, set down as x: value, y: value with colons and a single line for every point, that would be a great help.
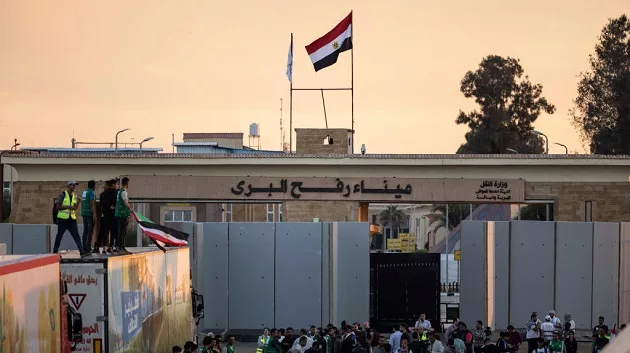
x: 392, y: 216
x: 602, y: 106
x: 508, y: 106
x: 456, y: 214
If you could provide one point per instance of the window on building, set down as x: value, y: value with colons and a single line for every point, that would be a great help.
x: 535, y: 211
x: 178, y: 216
x: 588, y: 211
x: 227, y: 212
x: 279, y: 212
x: 270, y: 212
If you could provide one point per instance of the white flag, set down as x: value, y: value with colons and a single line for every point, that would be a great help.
x: 290, y: 61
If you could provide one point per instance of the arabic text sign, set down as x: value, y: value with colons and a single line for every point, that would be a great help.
x: 327, y: 188
x: 131, y: 314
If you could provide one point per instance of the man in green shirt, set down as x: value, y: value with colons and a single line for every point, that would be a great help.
x: 229, y: 348
x: 273, y: 345
x: 88, y: 215
x: 122, y: 213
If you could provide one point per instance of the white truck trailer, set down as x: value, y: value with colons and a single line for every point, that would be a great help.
x: 141, y: 302
x: 34, y: 313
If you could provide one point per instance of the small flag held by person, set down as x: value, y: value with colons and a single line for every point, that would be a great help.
x: 160, y: 235
x: 325, y: 50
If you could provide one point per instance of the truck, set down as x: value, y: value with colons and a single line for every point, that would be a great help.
x: 139, y: 302
x: 34, y: 312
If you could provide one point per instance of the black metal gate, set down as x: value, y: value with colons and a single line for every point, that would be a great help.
x: 402, y: 286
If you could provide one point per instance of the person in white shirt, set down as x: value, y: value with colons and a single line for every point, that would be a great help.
x: 533, y: 331
x: 300, y: 345
x: 547, y: 329
x: 435, y: 345
x: 422, y: 323
x: 555, y: 320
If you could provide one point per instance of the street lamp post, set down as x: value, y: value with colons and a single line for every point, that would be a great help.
x: 145, y: 140
x: 15, y: 145
x: 566, y: 150
x: 546, y: 140
x: 118, y: 133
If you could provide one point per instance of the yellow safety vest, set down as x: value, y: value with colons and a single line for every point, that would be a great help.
x: 67, y: 214
x: 424, y: 337
x: 262, y: 341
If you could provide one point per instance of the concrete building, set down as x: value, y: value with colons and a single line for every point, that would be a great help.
x: 215, y: 143
x: 328, y: 186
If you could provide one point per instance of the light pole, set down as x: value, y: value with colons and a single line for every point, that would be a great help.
x: 546, y: 140
x: 15, y: 145
x: 145, y: 140
x: 118, y: 133
x: 566, y: 150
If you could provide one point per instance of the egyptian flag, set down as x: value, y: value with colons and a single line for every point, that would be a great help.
x: 160, y: 235
x: 325, y: 50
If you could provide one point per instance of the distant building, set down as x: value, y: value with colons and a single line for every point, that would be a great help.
x: 96, y: 150
x: 216, y: 143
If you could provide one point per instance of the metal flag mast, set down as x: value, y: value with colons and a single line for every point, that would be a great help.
x: 351, y: 89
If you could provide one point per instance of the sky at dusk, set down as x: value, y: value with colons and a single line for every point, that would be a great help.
x: 90, y: 68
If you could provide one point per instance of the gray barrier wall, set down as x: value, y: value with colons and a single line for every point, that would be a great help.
x: 516, y: 268
x: 25, y: 239
x: 256, y: 275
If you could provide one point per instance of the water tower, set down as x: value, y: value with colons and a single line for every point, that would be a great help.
x: 254, y: 136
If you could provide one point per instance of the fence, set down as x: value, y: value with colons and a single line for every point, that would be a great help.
x: 256, y: 275
x: 511, y: 269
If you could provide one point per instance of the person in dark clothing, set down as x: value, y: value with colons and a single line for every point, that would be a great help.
x: 109, y: 228
x: 288, y: 340
x: 417, y: 346
x: 466, y: 336
x: 570, y: 343
x: 347, y: 343
x: 600, y: 325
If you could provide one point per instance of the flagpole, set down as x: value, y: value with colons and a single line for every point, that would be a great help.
x: 352, y: 77
x: 291, y: 102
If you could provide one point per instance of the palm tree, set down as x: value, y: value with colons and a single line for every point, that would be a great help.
x: 393, y: 217
x: 456, y: 214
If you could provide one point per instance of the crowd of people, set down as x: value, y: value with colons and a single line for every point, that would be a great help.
x: 551, y: 336
x: 114, y: 214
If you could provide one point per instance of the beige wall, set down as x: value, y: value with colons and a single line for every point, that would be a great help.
x: 569, y: 182
x: 62, y: 169
x: 33, y: 203
x: 311, y: 141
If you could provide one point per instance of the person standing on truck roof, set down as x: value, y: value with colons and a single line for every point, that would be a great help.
x: 67, y: 218
x: 88, y: 214
x: 122, y: 213
x: 109, y: 227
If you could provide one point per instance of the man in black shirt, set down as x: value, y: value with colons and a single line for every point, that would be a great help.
x: 288, y: 340
x: 600, y: 326
x: 108, y: 230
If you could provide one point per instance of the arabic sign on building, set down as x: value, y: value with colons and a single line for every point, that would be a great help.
x: 325, y: 189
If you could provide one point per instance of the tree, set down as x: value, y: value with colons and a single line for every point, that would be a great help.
x: 456, y: 214
x: 602, y: 106
x: 393, y: 217
x: 508, y: 106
